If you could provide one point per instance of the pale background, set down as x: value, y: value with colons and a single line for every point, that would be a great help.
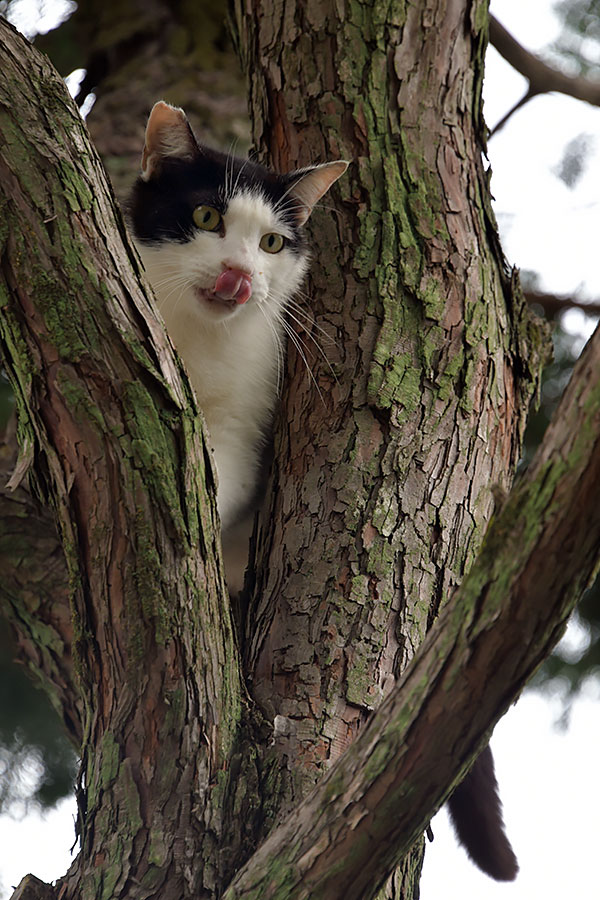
x: 548, y: 777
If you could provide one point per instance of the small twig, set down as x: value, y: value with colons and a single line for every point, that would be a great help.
x: 542, y: 78
x: 553, y: 304
x: 529, y: 93
x: 31, y: 888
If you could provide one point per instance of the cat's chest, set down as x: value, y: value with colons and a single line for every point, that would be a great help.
x: 233, y: 368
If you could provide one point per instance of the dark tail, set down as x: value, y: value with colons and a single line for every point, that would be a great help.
x: 476, y: 814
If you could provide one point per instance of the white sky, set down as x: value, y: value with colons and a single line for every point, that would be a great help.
x: 545, y: 226
x: 550, y: 792
x: 548, y: 777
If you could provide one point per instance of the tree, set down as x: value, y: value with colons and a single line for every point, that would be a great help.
x: 383, y: 484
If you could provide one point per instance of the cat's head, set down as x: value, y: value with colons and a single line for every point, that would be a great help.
x: 216, y: 233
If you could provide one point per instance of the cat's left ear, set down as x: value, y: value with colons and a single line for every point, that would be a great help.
x: 312, y: 183
x: 168, y: 135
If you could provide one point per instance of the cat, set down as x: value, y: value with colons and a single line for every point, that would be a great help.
x: 222, y: 243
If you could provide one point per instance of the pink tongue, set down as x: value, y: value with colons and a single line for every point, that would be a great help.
x: 233, y: 285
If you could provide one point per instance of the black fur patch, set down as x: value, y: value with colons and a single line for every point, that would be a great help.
x: 161, y: 209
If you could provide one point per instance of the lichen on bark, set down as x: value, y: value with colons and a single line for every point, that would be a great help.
x: 118, y: 455
x: 432, y: 380
x: 381, y: 484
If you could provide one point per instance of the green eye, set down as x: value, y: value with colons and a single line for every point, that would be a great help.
x: 272, y: 242
x: 207, y: 218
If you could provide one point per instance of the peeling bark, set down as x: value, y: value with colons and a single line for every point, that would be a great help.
x: 552, y: 514
x: 118, y: 455
x: 384, y: 478
x: 31, y: 888
x: 381, y: 492
x: 34, y: 591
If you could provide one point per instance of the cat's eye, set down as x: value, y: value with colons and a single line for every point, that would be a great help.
x: 272, y: 242
x: 207, y: 218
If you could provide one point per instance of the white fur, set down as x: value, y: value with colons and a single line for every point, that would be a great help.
x: 232, y: 354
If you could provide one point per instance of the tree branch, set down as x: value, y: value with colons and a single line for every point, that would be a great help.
x: 553, y: 303
x: 34, y: 591
x: 118, y: 455
x: 542, y: 78
x: 367, y: 812
x: 31, y: 888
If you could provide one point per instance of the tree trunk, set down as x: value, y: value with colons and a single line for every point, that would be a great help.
x: 387, y: 459
x: 368, y: 810
x: 382, y: 486
x: 35, y: 592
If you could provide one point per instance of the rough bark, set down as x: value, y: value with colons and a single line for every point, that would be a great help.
x: 117, y: 455
x: 540, y: 553
x: 384, y: 477
x: 34, y: 590
x: 31, y: 888
x: 381, y: 490
x: 134, y: 53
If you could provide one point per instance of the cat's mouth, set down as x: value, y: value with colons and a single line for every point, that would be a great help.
x: 233, y: 284
x: 219, y: 303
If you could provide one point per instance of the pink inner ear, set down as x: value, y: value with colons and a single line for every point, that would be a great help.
x: 310, y: 187
x: 168, y: 134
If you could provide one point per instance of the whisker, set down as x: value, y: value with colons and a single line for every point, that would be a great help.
x: 175, y: 283
x: 312, y: 322
x: 278, y: 347
x: 167, y: 282
x: 289, y: 305
x: 239, y: 175
x: 175, y: 279
x: 229, y: 162
x: 286, y: 194
x: 315, y: 342
x: 297, y: 343
x: 177, y: 301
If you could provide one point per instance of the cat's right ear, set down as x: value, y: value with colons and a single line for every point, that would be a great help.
x: 311, y: 183
x: 168, y: 136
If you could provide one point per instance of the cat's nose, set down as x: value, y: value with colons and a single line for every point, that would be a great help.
x: 239, y: 264
x: 234, y: 284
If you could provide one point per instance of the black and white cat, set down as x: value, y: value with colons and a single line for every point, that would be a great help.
x: 221, y: 240
x: 222, y: 243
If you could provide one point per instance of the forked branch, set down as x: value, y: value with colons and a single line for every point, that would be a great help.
x: 367, y: 812
x: 542, y: 78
